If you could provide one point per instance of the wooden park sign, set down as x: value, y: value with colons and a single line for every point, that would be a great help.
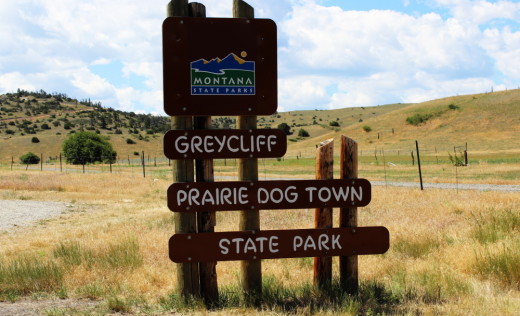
x: 272, y: 244
x: 220, y: 144
x: 217, y: 66
x: 266, y: 195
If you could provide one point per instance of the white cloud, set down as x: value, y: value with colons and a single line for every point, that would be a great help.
x: 381, y: 56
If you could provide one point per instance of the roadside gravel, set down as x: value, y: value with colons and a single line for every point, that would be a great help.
x: 16, y: 213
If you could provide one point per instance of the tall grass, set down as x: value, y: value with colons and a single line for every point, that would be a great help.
x: 27, y: 274
x: 123, y: 254
x: 498, y: 224
x: 502, y: 265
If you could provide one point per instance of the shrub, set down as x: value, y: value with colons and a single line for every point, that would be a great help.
x: 453, y: 107
x: 334, y: 123
x: 285, y: 128
x: 303, y: 133
x: 45, y: 126
x: 418, y: 119
x: 29, y: 159
x: 87, y: 147
x: 130, y: 141
x: 367, y: 128
x: 35, y: 140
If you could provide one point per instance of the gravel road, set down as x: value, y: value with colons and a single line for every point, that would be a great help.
x: 14, y: 213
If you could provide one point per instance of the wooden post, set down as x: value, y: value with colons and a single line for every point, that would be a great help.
x: 12, y: 162
x: 61, y: 166
x: 206, y: 221
x: 323, y: 216
x: 419, y: 163
x: 413, y: 159
x: 142, y: 161
x: 187, y: 273
x: 41, y: 162
x: 348, y: 266
x: 248, y: 171
x: 110, y: 163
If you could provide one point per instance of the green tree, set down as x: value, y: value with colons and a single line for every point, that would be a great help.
x: 29, y: 159
x: 285, y: 128
x: 87, y: 147
x: 35, y: 140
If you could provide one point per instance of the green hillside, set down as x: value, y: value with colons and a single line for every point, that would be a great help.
x: 489, y: 123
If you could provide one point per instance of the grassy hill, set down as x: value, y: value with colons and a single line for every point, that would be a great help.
x: 489, y: 123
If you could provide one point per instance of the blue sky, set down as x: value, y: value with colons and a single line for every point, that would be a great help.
x: 331, y: 54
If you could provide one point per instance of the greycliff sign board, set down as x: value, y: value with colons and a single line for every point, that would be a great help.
x: 272, y: 244
x: 217, y: 66
x: 268, y: 195
x: 220, y: 144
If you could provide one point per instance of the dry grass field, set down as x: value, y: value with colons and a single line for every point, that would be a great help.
x: 451, y: 253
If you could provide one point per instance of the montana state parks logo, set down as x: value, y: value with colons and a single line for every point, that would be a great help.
x: 229, y: 76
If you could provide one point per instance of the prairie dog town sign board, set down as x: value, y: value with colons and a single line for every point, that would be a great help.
x: 271, y: 244
x: 268, y: 195
x: 217, y: 66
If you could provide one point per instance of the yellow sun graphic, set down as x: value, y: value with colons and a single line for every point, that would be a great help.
x: 243, y: 54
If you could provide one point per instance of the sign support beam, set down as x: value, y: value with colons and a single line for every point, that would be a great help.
x: 187, y: 273
x: 248, y: 171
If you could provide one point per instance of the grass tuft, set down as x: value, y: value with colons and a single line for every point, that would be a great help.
x: 28, y: 274
x: 417, y: 247
x: 496, y: 226
x: 502, y: 266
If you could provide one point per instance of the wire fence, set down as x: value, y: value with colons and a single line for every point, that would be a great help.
x: 450, y: 164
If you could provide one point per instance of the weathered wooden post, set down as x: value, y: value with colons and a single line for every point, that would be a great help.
x: 206, y: 221
x: 348, y: 265
x: 187, y: 273
x: 323, y: 216
x: 248, y: 171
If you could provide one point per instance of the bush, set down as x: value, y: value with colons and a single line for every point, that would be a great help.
x: 35, y: 140
x: 334, y: 123
x: 29, y: 159
x: 130, y: 141
x: 367, y: 128
x: 87, y: 147
x: 45, y: 126
x: 418, y: 119
x: 285, y: 128
x: 303, y: 133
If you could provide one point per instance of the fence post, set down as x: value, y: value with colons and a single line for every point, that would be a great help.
x: 61, y: 166
x: 419, y: 163
x: 143, y: 163
x: 206, y: 221
x: 323, y: 216
x: 348, y: 266
x: 41, y: 162
x: 187, y: 273
x: 12, y: 162
x: 413, y: 159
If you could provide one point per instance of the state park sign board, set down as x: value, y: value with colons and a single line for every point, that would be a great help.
x: 219, y: 66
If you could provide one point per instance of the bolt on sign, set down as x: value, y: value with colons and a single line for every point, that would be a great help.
x: 218, y: 66
x: 220, y: 144
x: 268, y: 195
x: 272, y: 244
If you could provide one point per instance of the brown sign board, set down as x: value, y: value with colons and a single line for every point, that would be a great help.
x: 268, y: 195
x: 273, y: 244
x: 217, y: 66
x: 220, y: 144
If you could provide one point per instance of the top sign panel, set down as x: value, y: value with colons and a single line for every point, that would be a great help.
x: 219, y: 66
